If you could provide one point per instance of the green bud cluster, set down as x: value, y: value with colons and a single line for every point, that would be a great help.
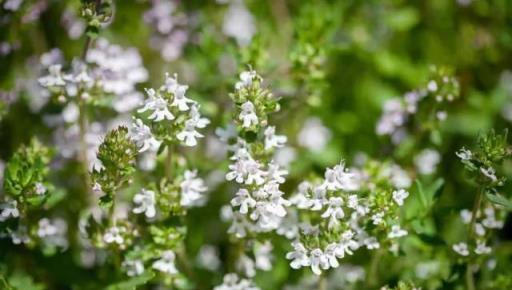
x: 117, y: 154
x: 26, y: 174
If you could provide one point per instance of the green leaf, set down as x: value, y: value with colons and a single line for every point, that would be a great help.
x: 433, y: 240
x: 423, y: 198
x: 132, y: 283
x: 22, y: 281
x: 106, y: 201
x: 499, y: 199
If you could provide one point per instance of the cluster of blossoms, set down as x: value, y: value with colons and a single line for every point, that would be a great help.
x: 488, y: 213
x: 26, y: 190
x: 238, y: 22
x: 427, y: 104
x: 233, y: 282
x: 346, y: 211
x: 171, y: 116
x: 191, y: 194
x: 259, y: 205
x: 484, y: 223
x: 108, y: 77
x: 108, y: 70
x: 170, y: 28
x: 168, y: 118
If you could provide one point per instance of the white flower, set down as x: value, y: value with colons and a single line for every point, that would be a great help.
x: 53, y: 232
x: 239, y: 23
x: 247, y: 115
x: 20, y: 235
x: 166, y: 263
x: 244, y: 200
x: 141, y: 135
x: 399, y: 177
x: 371, y: 243
x: 479, y: 229
x: 396, y: 232
x: 461, y: 249
x: 133, y: 268
x: 346, y: 245
x: 481, y: 248
x: 114, y: 235
x: 146, y: 202
x: 40, y: 188
x: 263, y: 256
x: 246, y: 79
x: 399, y: 196
x: 192, y: 189
x: 300, y: 198
x: 232, y: 282
x: 340, y: 178
x: 426, y: 162
x: 377, y: 218
x: 319, y: 261
x: 490, y: 219
x: 275, y: 173
x: 466, y: 216
x: 9, y: 209
x: 272, y: 140
x: 178, y: 91
x: 490, y: 173
x: 314, y: 135
x: 227, y: 133
x: 246, y: 169
x: 54, y: 78
x: 464, y: 154
x: 393, y: 117
x: 189, y: 133
x: 299, y: 256
x: 432, y: 86
x: 157, y: 105
x: 330, y: 254
x: 334, y: 211
x: 194, y: 114
x: 208, y: 258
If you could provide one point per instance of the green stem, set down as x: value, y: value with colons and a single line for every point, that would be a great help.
x: 322, y: 282
x: 373, y: 273
x: 168, y: 162
x: 83, y: 118
x: 83, y: 144
x: 470, y: 281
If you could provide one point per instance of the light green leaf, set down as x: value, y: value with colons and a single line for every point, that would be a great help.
x: 132, y: 283
x: 499, y: 199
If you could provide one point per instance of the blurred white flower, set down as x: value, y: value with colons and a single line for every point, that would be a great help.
x: 146, y: 202
x: 166, y: 263
x: 314, y: 135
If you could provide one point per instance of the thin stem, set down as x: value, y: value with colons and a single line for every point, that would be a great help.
x: 322, y: 282
x: 470, y: 281
x: 83, y: 144
x: 374, y: 269
x: 83, y: 117
x: 168, y: 162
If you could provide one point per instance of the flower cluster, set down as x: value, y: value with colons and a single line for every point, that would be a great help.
x: 171, y: 115
x: 346, y: 211
x: 482, y: 225
x: 108, y: 71
x: 490, y: 206
x: 259, y: 204
x: 28, y: 193
x: 233, y: 282
x: 427, y: 105
x: 170, y: 24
